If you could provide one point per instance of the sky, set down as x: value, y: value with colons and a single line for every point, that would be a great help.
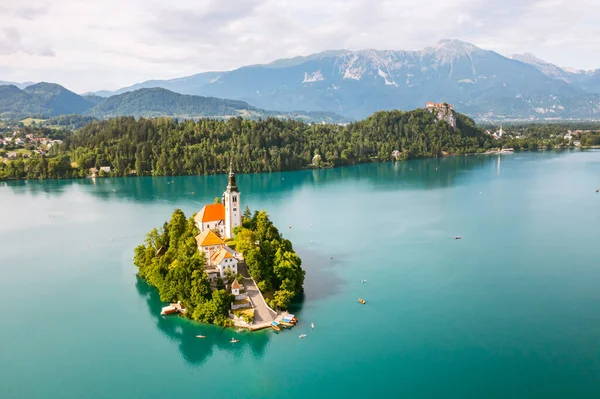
x: 88, y: 45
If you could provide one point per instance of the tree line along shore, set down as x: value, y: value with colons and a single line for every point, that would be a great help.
x: 126, y: 146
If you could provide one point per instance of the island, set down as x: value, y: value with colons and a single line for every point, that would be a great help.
x: 222, y: 265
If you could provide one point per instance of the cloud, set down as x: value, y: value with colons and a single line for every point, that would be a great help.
x: 31, y: 13
x: 110, y: 44
x: 11, y: 44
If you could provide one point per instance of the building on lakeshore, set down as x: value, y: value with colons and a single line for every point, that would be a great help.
x: 209, y: 243
x: 224, y: 259
x: 231, y: 200
x: 211, y: 217
x: 235, y: 287
x: 224, y: 217
x: 216, y: 223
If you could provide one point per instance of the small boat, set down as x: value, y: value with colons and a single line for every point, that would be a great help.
x: 312, y: 325
x: 233, y: 340
x: 302, y: 336
x: 598, y: 189
x: 362, y: 301
x: 457, y: 237
x: 275, y: 326
x: 363, y: 281
x: 200, y: 336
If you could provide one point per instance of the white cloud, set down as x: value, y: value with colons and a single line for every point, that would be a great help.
x: 113, y: 43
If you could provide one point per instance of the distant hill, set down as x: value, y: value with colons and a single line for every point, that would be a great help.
x: 480, y: 83
x: 58, y: 99
x: 40, y: 99
x: 158, y: 102
x: 21, y: 85
x: 49, y: 100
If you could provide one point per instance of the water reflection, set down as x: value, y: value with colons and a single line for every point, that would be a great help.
x: 194, y: 350
x: 323, y: 280
x: 413, y: 174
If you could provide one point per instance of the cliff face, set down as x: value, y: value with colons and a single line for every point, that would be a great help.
x: 448, y: 116
x: 444, y: 112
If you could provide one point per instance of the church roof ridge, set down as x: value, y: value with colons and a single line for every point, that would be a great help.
x: 208, y: 237
x: 211, y: 213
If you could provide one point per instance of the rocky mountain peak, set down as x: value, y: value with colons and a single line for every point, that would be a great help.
x: 448, y: 50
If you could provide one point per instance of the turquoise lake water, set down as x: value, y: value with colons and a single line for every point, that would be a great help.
x: 510, y: 311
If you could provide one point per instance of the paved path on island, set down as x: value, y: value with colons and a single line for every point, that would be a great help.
x: 243, y: 269
x: 262, y: 314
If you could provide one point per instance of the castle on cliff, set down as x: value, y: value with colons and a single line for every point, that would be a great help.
x: 444, y: 112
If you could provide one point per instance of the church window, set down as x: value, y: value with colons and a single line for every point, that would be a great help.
x: 234, y: 199
x: 234, y: 209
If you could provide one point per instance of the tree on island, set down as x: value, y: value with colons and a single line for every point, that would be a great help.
x: 270, y: 258
x: 170, y: 261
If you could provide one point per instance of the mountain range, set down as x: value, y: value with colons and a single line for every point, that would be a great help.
x: 50, y: 99
x: 478, y: 82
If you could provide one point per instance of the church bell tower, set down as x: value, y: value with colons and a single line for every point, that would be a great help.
x: 233, y: 208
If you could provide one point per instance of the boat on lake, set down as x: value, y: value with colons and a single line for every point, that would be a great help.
x: 302, y: 336
x: 200, y: 336
x: 172, y: 309
x: 233, y: 340
x: 362, y: 301
x: 275, y: 326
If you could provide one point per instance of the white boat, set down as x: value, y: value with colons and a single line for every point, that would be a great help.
x: 302, y: 336
x: 312, y: 325
x: 200, y: 336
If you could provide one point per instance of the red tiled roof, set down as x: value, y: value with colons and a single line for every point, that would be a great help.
x: 211, y: 213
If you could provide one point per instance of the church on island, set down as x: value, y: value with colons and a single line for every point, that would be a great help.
x: 216, y: 223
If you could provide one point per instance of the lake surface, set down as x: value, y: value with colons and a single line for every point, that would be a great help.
x: 510, y: 311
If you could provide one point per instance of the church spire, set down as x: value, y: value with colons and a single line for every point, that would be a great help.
x: 231, y: 184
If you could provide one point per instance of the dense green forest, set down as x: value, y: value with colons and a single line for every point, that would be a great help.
x: 165, y: 146
x: 272, y: 263
x: 170, y: 260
